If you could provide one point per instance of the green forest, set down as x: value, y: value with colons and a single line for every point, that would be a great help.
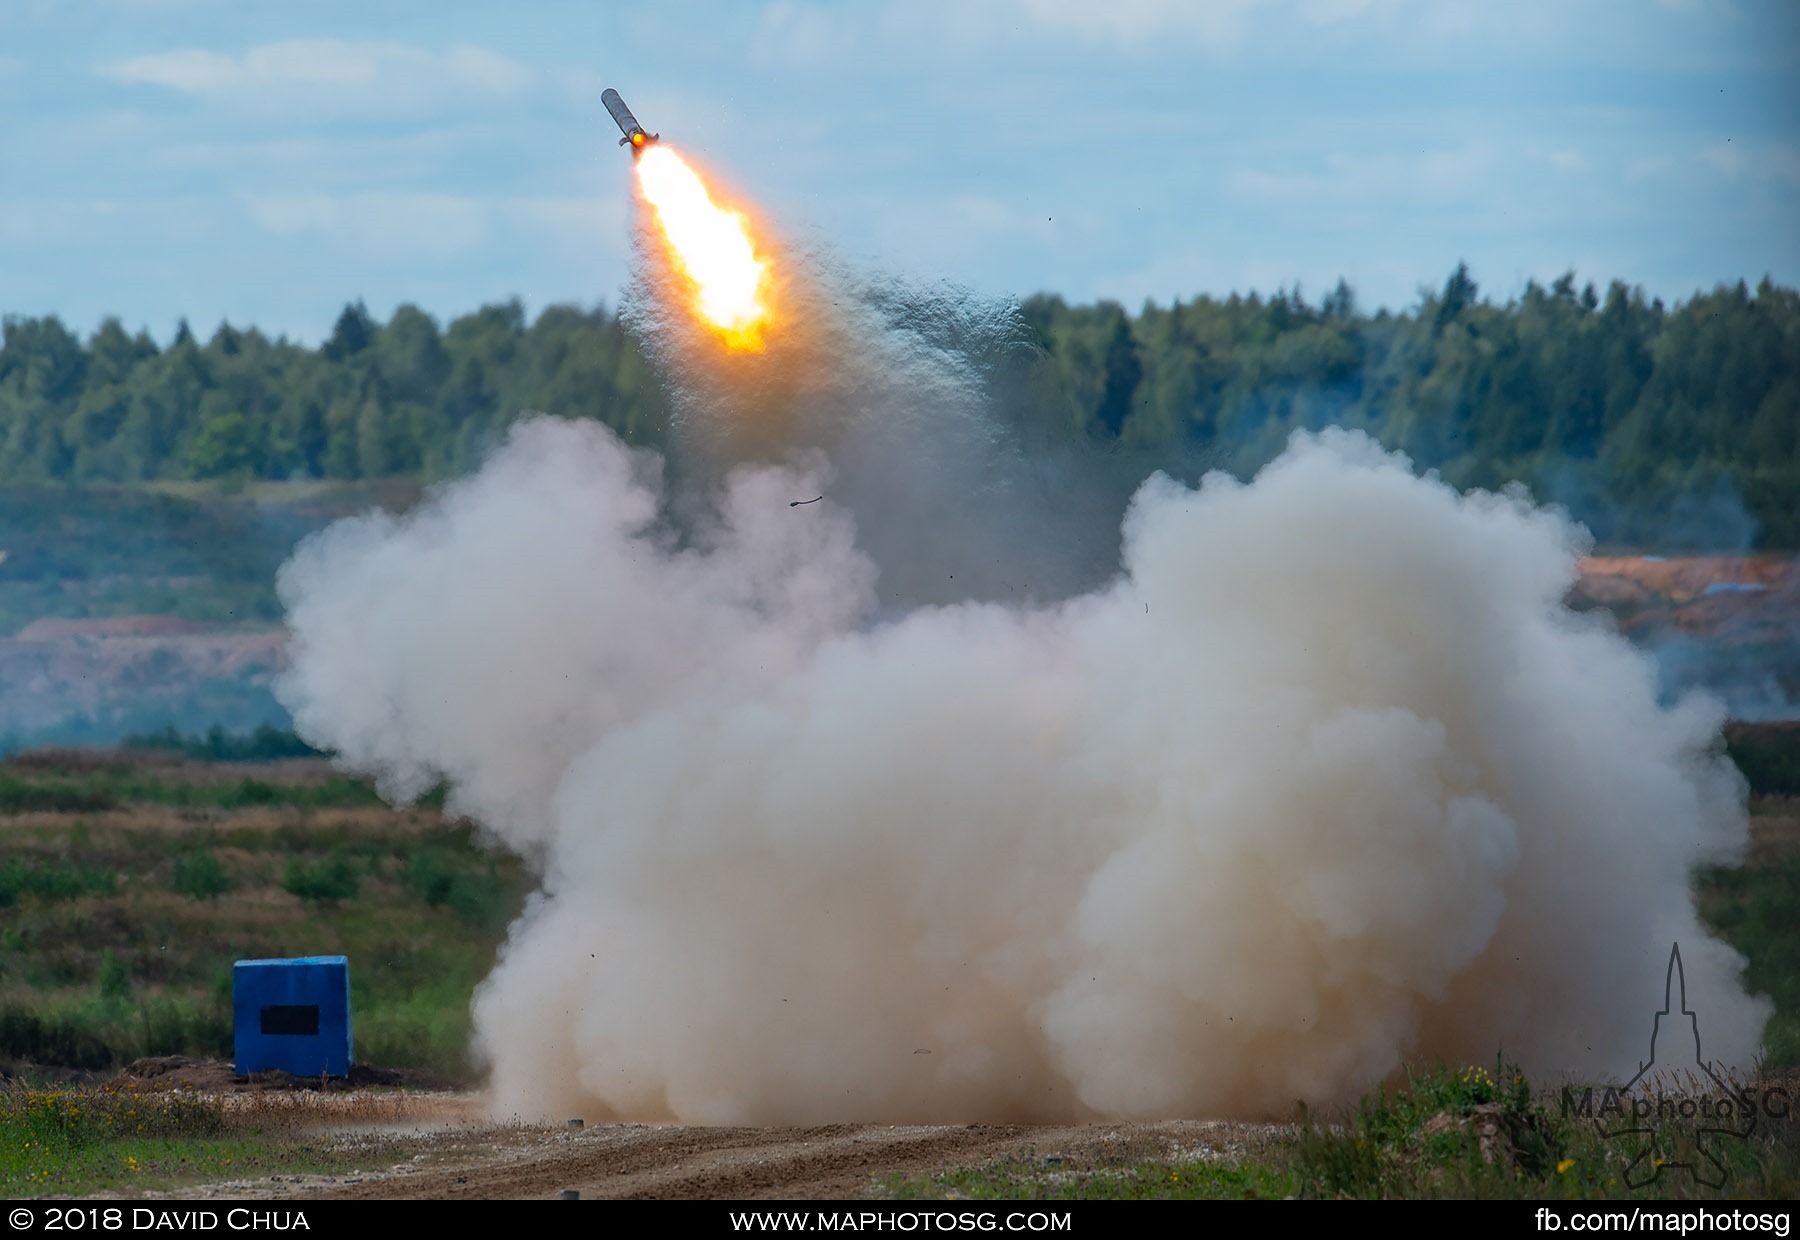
x: 1657, y: 425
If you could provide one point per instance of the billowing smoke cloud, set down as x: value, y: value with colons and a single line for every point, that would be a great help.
x: 1323, y: 778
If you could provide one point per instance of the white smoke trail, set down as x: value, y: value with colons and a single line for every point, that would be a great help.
x: 1327, y: 779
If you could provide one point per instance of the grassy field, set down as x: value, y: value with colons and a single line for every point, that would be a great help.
x: 128, y: 1137
x: 130, y: 886
x: 129, y: 883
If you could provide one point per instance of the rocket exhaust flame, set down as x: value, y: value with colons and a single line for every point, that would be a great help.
x: 711, y: 246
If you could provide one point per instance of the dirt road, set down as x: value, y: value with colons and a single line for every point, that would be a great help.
x: 446, y: 1157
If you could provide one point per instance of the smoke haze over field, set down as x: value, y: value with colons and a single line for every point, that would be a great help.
x: 894, y: 385
x: 895, y: 807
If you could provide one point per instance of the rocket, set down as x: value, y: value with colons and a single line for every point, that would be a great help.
x: 628, y: 124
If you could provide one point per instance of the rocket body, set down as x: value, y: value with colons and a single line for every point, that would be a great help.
x: 635, y: 135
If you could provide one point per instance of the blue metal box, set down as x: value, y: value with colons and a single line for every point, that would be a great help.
x: 293, y: 1015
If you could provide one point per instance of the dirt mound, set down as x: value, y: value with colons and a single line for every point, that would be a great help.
x: 179, y: 1072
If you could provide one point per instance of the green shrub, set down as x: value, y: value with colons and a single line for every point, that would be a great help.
x: 1768, y: 754
x: 249, y: 792
x: 1757, y: 910
x: 110, y: 1030
x: 1418, y: 1139
x: 429, y: 1030
x: 51, y: 880
x: 51, y: 1035
x: 468, y: 887
x: 198, y: 876
x: 201, y: 1027
x: 115, y: 978
x: 325, y: 881
x: 265, y: 743
x: 18, y: 796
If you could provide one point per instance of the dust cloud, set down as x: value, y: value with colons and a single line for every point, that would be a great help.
x: 931, y: 802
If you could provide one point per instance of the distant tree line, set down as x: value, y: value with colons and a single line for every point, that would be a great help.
x: 1653, y: 423
x: 376, y: 400
x: 265, y: 743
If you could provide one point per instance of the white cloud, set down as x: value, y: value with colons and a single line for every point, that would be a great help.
x: 331, y: 74
x: 387, y: 225
x: 1209, y: 22
x: 795, y: 33
x: 288, y: 214
x: 824, y: 36
x: 606, y: 216
x: 823, y: 33
x: 1440, y: 175
x: 1726, y: 158
x: 35, y: 224
x: 380, y: 225
x: 1327, y: 11
x: 1784, y: 162
x: 987, y: 214
x: 1406, y: 29
x: 51, y: 226
x: 1255, y: 183
x: 1755, y: 161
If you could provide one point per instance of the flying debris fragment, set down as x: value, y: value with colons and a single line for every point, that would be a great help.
x: 628, y: 124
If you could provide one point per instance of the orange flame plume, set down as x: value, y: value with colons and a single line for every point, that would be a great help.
x: 711, y: 245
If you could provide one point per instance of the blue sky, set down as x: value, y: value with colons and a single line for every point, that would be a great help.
x: 267, y: 162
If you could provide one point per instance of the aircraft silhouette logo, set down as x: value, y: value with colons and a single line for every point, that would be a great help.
x: 1658, y: 1153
